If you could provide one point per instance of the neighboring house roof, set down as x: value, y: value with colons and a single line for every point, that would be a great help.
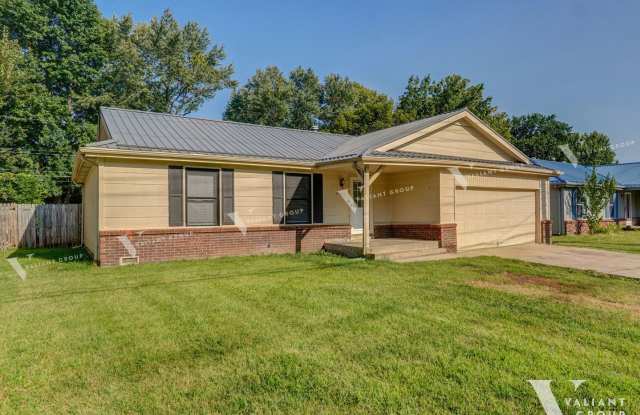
x: 627, y: 175
x: 570, y: 174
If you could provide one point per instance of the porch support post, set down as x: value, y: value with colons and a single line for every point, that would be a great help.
x: 366, y: 245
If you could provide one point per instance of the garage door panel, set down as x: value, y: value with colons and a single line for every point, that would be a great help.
x: 490, y: 218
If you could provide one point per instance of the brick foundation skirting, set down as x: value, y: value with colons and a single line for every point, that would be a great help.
x: 154, y: 245
x: 580, y: 226
x: 546, y: 232
x: 445, y: 234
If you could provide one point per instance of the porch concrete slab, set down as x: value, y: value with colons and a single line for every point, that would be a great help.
x: 606, y: 262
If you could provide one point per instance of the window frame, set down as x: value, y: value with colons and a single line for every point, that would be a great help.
x: 580, y: 208
x: 186, y: 197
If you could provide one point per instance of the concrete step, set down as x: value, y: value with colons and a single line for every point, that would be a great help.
x: 433, y: 257
x: 405, y: 247
x: 399, y: 255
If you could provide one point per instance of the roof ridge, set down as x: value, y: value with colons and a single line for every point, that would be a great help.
x: 166, y: 114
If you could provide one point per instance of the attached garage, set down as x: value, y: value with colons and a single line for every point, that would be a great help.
x: 494, y: 217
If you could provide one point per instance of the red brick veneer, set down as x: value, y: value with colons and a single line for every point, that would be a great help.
x: 445, y: 234
x: 546, y: 232
x: 580, y: 226
x: 155, y: 245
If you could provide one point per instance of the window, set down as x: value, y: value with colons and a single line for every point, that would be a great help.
x: 579, y: 204
x: 202, y: 199
x: 297, y: 198
x: 356, y: 192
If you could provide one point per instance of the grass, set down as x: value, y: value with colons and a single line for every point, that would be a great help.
x: 311, y: 334
x: 622, y: 241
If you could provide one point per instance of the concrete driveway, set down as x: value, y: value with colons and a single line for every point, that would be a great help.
x: 606, y: 262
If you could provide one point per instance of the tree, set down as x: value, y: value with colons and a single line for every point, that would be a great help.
x: 182, y: 69
x: 540, y: 136
x: 265, y: 99
x: 61, y: 60
x: 593, y: 149
x: 596, y: 194
x: 24, y: 188
x: 304, y: 104
x: 10, y: 56
x: 64, y: 40
x: 350, y: 108
x: 424, y: 98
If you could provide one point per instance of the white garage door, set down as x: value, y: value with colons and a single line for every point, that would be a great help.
x: 490, y: 218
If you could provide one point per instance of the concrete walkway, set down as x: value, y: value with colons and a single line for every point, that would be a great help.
x: 606, y: 262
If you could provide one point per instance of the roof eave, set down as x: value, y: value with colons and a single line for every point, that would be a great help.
x: 526, y: 168
x: 192, y: 157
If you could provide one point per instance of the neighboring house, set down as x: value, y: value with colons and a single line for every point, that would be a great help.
x: 567, y: 207
x: 159, y: 186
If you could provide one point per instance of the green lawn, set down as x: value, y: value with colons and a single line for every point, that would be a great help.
x: 311, y: 334
x: 624, y: 241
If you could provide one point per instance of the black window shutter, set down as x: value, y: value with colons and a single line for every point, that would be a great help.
x: 317, y: 198
x: 227, y: 197
x: 175, y: 196
x: 298, y: 198
x: 277, y: 186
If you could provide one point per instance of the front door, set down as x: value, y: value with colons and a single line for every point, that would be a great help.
x: 356, y: 212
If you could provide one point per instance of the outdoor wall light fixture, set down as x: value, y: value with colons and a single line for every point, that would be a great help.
x: 342, y: 182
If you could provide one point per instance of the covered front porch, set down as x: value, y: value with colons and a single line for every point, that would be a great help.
x: 432, y: 209
x: 391, y: 208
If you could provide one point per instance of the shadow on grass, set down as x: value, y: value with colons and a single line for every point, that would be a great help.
x: 302, y: 273
x: 57, y: 255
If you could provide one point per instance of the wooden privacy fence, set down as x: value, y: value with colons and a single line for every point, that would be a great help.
x: 39, y: 226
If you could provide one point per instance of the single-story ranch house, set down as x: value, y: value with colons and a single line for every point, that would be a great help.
x: 159, y: 187
x: 567, y: 207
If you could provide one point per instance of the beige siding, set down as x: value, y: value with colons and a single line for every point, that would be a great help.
x: 493, y: 179
x: 448, y: 195
x: 336, y: 210
x: 458, y: 140
x: 90, y: 213
x: 490, y: 218
x: 134, y: 195
x: 253, y: 196
x: 381, y: 203
x: 414, y: 197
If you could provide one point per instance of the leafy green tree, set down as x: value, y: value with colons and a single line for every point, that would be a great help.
x: 304, y: 104
x: 593, y: 149
x: 596, y: 194
x: 64, y: 40
x: 24, y: 188
x: 10, y: 56
x: 541, y: 136
x: 62, y: 60
x: 424, y: 98
x: 265, y: 99
x: 350, y: 108
x: 182, y: 68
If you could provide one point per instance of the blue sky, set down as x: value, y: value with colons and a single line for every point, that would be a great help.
x: 577, y: 59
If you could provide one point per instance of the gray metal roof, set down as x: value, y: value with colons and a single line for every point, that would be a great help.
x: 132, y: 129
